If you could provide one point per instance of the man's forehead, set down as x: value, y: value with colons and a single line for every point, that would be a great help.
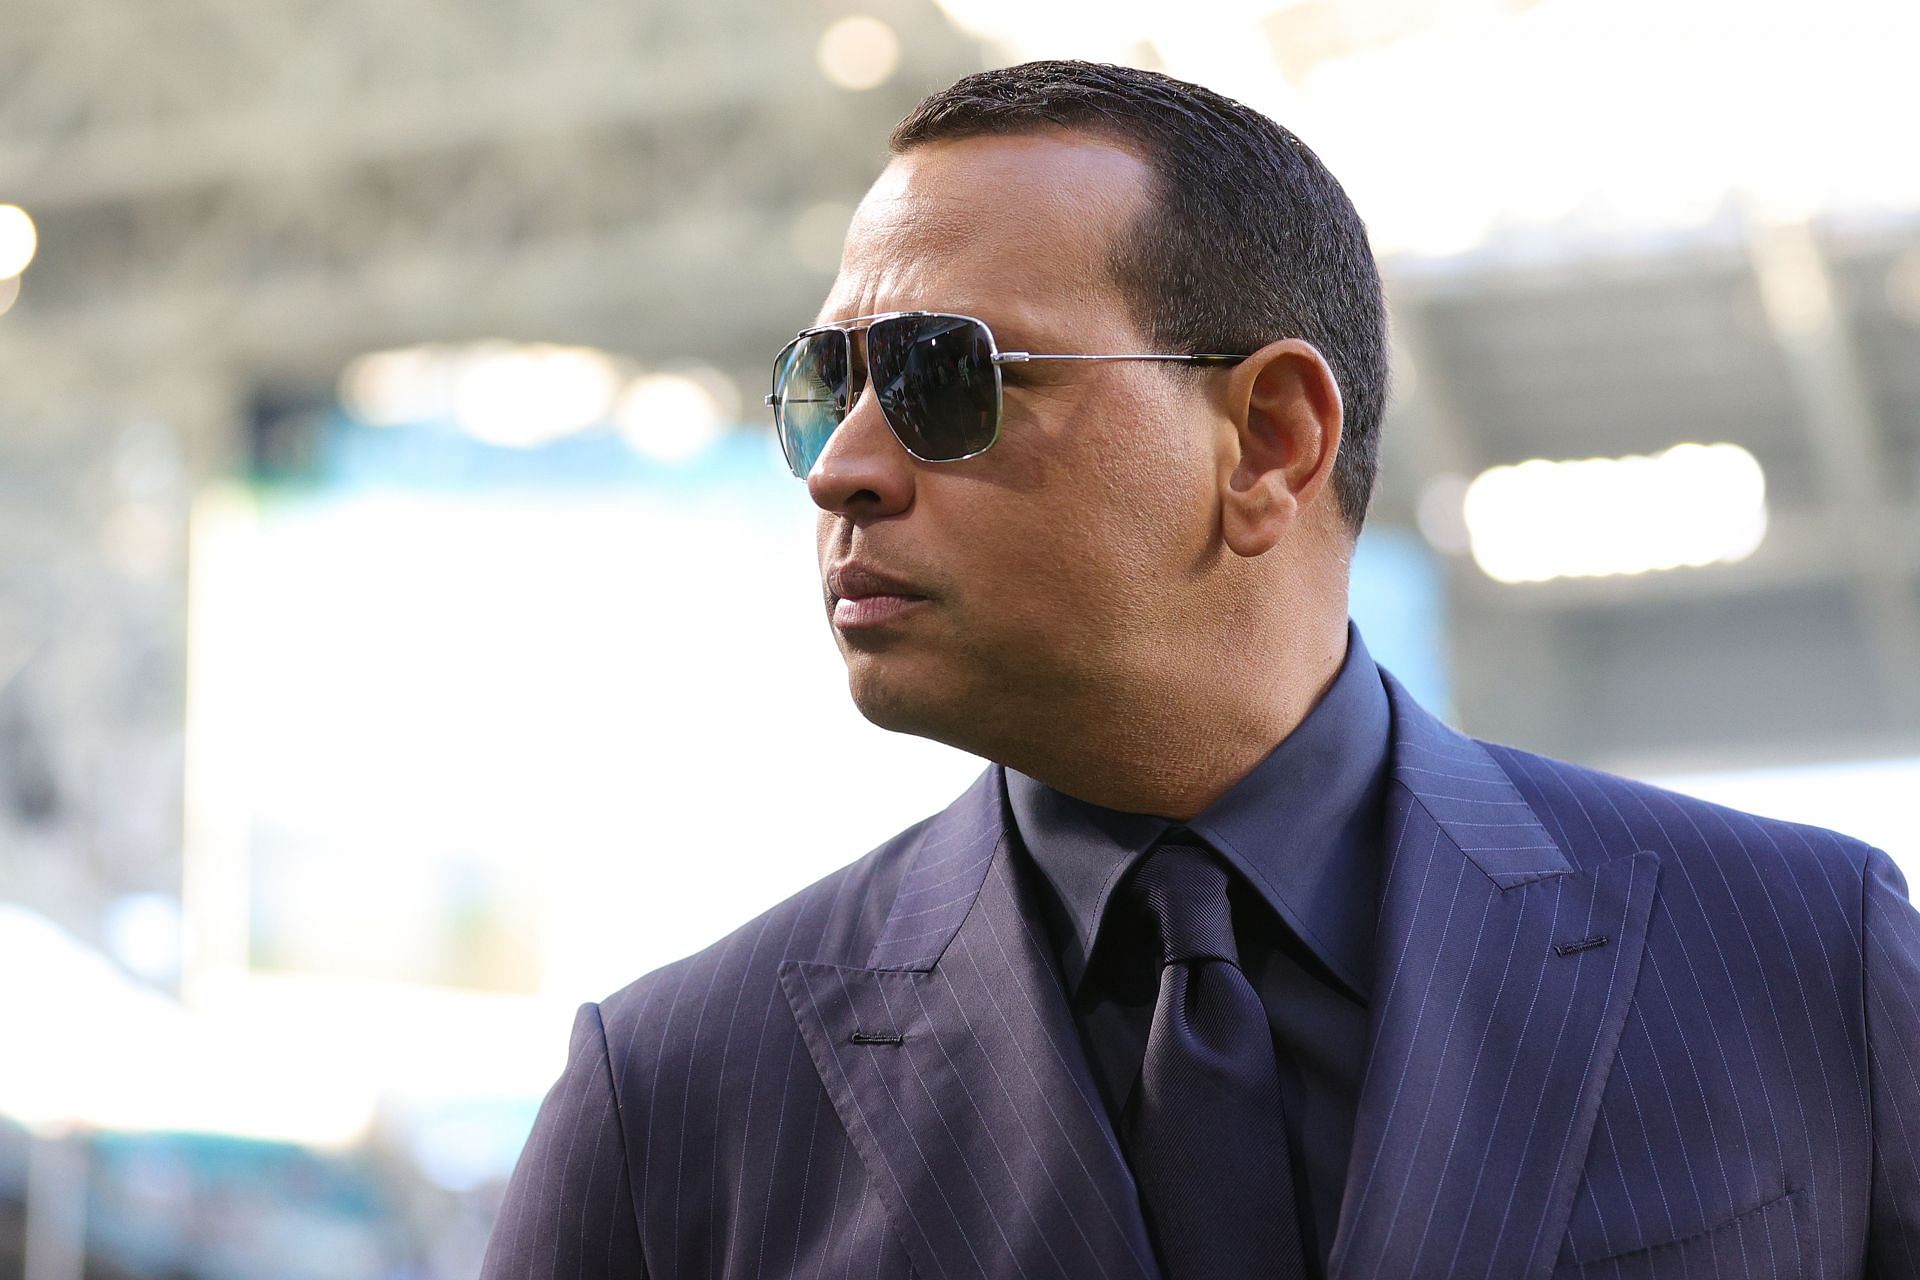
x: 921, y: 225
x: 988, y: 218
x: 972, y: 185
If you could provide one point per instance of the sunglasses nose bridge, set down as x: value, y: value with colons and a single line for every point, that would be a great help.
x: 857, y: 372
x: 853, y: 440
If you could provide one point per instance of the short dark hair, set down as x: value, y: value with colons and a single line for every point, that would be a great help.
x: 1249, y: 239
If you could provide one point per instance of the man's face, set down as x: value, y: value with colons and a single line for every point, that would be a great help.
x: 1059, y: 568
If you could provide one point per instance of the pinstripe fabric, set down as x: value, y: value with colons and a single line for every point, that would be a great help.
x: 1616, y: 1033
x: 1488, y: 1044
x: 982, y: 1127
x: 568, y: 1208
x: 1763, y: 1113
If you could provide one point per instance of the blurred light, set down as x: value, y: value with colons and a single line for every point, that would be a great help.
x: 504, y: 393
x: 1903, y: 287
x: 194, y: 1074
x: 1781, y: 201
x: 9, y: 293
x: 523, y: 396
x: 1439, y: 514
x: 1598, y: 160
x: 672, y: 416
x: 394, y: 388
x: 1523, y: 123
x: 818, y: 234
x: 18, y: 240
x: 858, y: 52
x: 143, y: 930
x: 1794, y: 289
x: 1869, y: 799
x: 718, y: 385
x: 1692, y: 505
x: 1036, y: 28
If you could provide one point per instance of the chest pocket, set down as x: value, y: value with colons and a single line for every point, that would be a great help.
x: 1760, y: 1243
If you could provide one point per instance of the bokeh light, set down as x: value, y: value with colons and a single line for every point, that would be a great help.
x: 523, y: 396
x: 858, y: 52
x: 18, y: 240
x: 502, y: 393
x: 1692, y: 505
x: 673, y: 416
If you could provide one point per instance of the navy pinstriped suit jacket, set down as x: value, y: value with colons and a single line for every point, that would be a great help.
x: 1617, y: 1033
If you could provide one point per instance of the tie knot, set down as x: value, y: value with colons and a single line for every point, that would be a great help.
x: 1183, y: 889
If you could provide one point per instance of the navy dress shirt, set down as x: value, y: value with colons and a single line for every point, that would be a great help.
x: 1303, y: 832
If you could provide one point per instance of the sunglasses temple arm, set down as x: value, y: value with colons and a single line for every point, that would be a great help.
x: 1024, y: 357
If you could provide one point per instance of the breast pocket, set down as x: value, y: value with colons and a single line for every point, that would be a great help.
x: 1761, y: 1243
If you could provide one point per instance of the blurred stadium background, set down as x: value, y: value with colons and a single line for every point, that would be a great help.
x: 393, y: 553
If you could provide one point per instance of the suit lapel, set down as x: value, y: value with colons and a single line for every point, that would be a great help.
x: 1504, y: 974
x: 954, y: 1066
x: 1503, y: 978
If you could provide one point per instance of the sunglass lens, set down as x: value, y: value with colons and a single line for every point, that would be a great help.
x: 937, y: 383
x: 810, y: 381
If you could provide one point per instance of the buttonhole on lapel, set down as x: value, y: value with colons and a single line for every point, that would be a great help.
x: 1568, y: 948
x: 877, y: 1037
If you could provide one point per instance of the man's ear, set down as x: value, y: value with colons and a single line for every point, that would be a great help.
x: 1278, y: 443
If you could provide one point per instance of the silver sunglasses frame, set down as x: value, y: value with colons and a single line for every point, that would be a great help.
x: 997, y: 358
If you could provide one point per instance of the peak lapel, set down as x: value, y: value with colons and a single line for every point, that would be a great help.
x: 1494, y: 1024
x: 956, y: 1070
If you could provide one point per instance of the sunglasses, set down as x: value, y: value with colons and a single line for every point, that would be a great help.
x: 936, y: 375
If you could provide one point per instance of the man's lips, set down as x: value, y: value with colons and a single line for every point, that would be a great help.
x: 863, y: 596
x: 853, y: 580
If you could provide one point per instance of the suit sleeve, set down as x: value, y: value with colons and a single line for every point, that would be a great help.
x: 1891, y: 934
x: 569, y: 1208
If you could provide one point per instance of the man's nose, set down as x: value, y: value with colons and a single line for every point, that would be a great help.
x: 863, y: 470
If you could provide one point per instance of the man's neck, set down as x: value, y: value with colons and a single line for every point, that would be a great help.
x: 1173, y: 755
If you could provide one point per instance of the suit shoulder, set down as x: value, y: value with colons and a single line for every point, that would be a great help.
x: 1598, y: 815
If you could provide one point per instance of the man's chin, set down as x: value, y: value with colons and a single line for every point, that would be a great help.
x: 897, y: 702
x: 889, y: 707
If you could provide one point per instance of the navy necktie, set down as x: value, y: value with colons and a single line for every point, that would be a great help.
x: 1204, y: 1129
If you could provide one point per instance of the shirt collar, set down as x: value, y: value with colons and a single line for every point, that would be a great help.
x: 1302, y: 826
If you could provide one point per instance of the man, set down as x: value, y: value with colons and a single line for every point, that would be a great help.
x: 1236, y: 961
